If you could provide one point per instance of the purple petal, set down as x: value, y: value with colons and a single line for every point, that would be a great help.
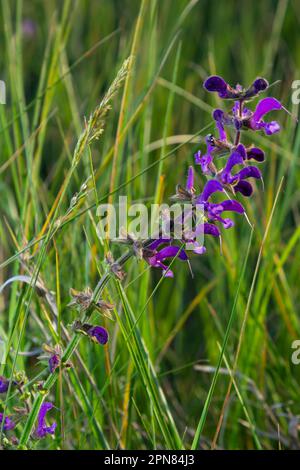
x: 249, y: 172
x: 99, y: 333
x: 255, y: 153
x: 53, y: 362
x: 199, y: 249
x: 156, y: 243
x: 271, y: 127
x: 211, y: 187
x: 215, y: 83
x: 227, y: 223
x: 260, y: 84
x: 234, y: 206
x: 42, y: 429
x: 222, y: 133
x: 265, y: 106
x: 152, y: 261
x: 190, y: 179
x: 205, y: 162
x: 4, y: 384
x: 234, y: 159
x: 238, y: 123
x: 8, y: 423
x: 244, y: 188
x: 241, y: 150
x: 218, y: 117
x: 168, y: 272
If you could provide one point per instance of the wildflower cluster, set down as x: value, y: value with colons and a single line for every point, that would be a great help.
x: 230, y: 179
x: 8, y: 422
x: 228, y: 165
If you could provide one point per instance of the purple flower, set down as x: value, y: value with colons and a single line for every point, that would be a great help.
x: 190, y: 180
x: 54, y: 362
x: 42, y: 429
x: 8, y: 423
x: 202, y: 229
x: 28, y: 28
x: 238, y: 179
x: 219, y: 85
x: 4, y: 383
x: 214, y: 210
x: 219, y: 117
x: 213, y: 147
x: 242, y: 117
x: 206, y: 160
x: 211, y: 187
x: 255, y: 153
x: 98, y: 334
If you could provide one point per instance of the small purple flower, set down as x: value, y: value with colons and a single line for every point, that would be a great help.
x: 264, y: 107
x: 54, y: 362
x: 156, y: 258
x: 238, y: 179
x: 255, y: 153
x: 214, y: 210
x: 28, y: 28
x: 190, y: 180
x: 216, y: 84
x: 206, y: 160
x: 4, y: 384
x: 219, y: 85
x: 211, y: 187
x: 8, y: 423
x: 42, y: 429
x: 214, y: 146
x: 202, y: 229
x: 98, y: 334
x: 219, y: 117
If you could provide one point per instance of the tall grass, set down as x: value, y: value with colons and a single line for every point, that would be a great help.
x: 191, y: 363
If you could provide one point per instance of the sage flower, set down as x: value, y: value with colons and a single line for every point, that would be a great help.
x: 255, y: 120
x: 98, y: 334
x: 155, y: 258
x: 215, y: 210
x: 219, y: 85
x: 4, y: 384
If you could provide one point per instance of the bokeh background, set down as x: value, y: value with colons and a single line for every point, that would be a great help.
x: 58, y: 59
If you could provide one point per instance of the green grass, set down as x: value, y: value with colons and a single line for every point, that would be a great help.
x: 165, y: 379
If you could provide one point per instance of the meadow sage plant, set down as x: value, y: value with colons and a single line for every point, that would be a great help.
x: 227, y: 164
